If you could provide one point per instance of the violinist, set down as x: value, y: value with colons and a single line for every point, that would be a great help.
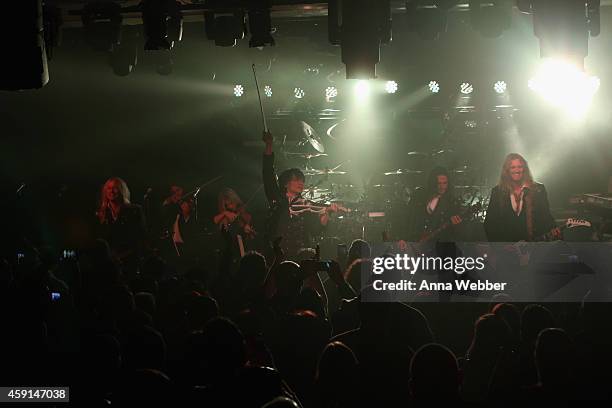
x: 283, y: 193
x: 232, y: 214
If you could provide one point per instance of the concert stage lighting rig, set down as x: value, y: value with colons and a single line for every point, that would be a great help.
x: 260, y: 23
x: 428, y: 18
x: 563, y: 27
x: 163, y: 24
x: 102, y: 25
x: 224, y: 22
x: 491, y: 17
x: 360, y: 27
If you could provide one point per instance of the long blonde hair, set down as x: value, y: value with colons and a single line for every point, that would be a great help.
x: 124, y: 192
x: 505, y: 180
x: 228, y: 195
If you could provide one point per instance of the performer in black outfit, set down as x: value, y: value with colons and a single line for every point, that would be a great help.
x: 518, y: 208
x: 296, y: 227
x: 433, y: 207
x: 121, y: 223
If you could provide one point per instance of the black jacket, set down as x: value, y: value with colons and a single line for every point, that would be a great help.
x: 127, y: 233
x: 296, y: 231
x: 503, y: 225
x: 420, y: 221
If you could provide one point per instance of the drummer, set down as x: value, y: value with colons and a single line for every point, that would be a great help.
x: 290, y: 217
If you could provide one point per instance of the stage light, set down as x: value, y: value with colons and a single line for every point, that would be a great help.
x: 565, y: 85
x: 298, y: 92
x: 238, y: 90
x: 362, y: 89
x: 563, y: 27
x: 268, y: 91
x: 362, y: 25
x: 434, y: 86
x: 466, y: 88
x: 124, y: 56
x: 391, y: 87
x: 491, y: 17
x: 330, y: 93
x: 155, y: 23
x: 428, y: 18
x: 260, y: 23
x: 224, y: 27
x: 500, y: 87
x: 102, y: 25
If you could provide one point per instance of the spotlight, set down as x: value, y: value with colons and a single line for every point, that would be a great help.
x: 268, y: 91
x: 238, y: 90
x: 491, y: 17
x: 163, y: 24
x: 330, y: 93
x: 102, y: 25
x: 124, y: 56
x: 434, y: 86
x: 365, y: 25
x: 563, y: 27
x: 164, y: 64
x: 428, y: 18
x: 466, y: 88
x: 260, y: 23
x: 391, y: 87
x: 471, y: 123
x: 565, y: 85
x: 500, y: 87
x: 225, y: 28
x: 362, y: 89
x: 298, y: 92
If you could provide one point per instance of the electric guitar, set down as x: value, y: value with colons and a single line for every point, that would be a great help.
x: 521, y: 247
x: 430, y: 235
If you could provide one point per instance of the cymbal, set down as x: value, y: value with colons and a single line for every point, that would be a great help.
x: 400, y: 172
x: 306, y: 155
x: 418, y: 154
x: 312, y: 137
x: 323, y: 172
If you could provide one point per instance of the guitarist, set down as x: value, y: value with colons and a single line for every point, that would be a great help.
x: 434, y: 207
x: 518, y: 207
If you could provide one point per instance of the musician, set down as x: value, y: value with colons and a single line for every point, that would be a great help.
x: 185, y: 230
x: 518, y: 207
x: 433, y: 207
x: 295, y: 227
x: 232, y: 211
x: 171, y: 206
x: 120, y: 222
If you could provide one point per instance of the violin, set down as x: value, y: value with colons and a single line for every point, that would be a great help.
x: 316, y: 208
x: 242, y: 219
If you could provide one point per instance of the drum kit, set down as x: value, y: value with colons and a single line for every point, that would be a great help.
x: 388, y: 192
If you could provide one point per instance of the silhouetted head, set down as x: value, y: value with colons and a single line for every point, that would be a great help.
x: 511, y: 315
x: 491, y: 334
x: 359, y: 249
x: 336, y: 367
x: 434, y: 374
x: 554, y: 355
x: 223, y: 348
x: 534, y: 319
